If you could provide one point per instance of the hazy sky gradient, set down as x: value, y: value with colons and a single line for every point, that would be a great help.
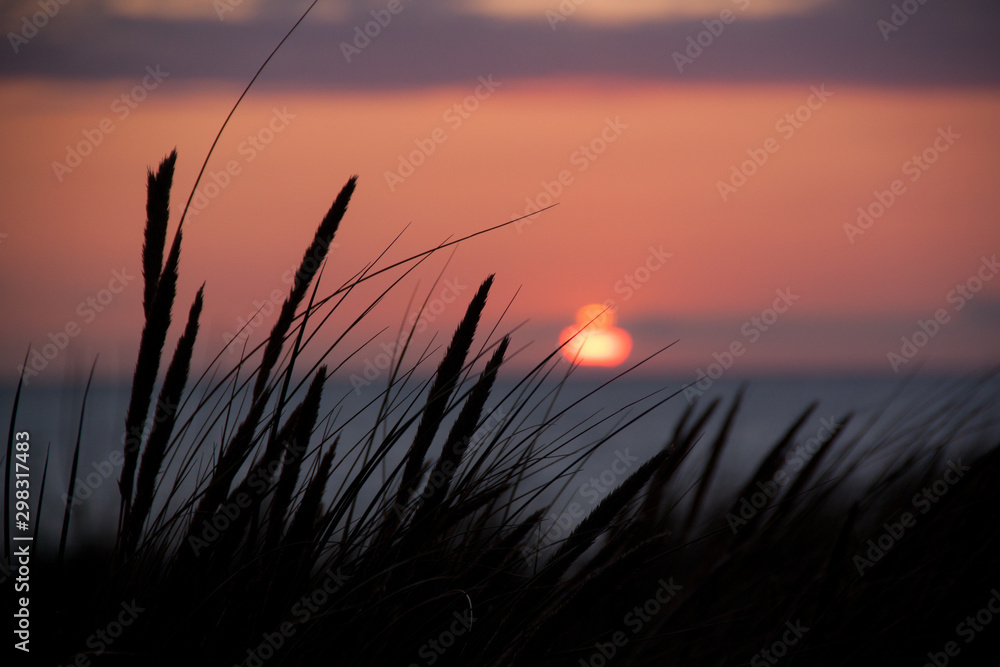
x: 660, y: 142
x: 437, y: 42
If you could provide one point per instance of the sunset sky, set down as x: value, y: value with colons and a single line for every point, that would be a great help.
x: 810, y: 186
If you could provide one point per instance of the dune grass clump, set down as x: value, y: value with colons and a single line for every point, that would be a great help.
x: 250, y: 532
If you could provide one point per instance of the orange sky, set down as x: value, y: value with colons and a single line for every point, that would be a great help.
x: 652, y: 192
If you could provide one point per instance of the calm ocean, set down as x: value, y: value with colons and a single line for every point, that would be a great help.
x: 51, y: 416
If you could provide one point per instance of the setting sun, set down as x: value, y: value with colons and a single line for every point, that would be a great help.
x: 595, y: 340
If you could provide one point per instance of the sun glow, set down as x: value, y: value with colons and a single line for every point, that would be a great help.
x: 595, y: 340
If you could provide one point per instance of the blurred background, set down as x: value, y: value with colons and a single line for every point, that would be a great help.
x: 778, y: 188
x: 706, y: 157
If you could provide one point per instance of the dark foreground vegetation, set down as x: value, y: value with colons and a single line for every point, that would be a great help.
x: 248, y: 534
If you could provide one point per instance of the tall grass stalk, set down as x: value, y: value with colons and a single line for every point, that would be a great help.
x: 429, y: 530
x: 252, y: 528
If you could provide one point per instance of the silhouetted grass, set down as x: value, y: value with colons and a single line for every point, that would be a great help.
x: 249, y: 532
x: 437, y: 555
